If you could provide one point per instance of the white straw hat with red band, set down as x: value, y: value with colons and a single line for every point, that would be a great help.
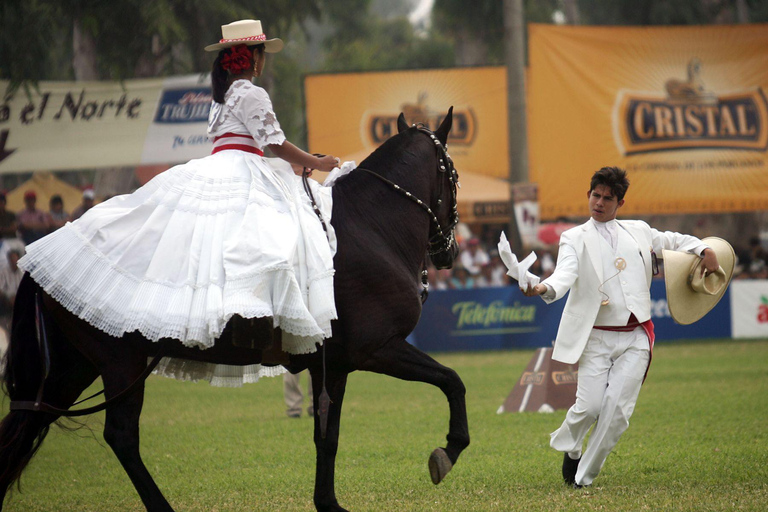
x: 247, y: 32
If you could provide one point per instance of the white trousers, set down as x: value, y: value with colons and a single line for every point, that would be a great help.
x: 611, y: 371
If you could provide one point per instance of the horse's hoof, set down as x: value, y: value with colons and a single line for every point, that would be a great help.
x: 439, y: 465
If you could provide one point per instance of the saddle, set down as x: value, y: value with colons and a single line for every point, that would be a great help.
x: 259, y: 335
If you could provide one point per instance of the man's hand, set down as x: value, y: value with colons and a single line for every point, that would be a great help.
x: 709, y: 263
x: 533, y: 291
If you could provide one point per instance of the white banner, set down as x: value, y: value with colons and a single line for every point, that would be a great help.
x: 749, y: 308
x: 80, y: 125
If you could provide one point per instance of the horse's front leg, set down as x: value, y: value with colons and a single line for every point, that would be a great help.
x: 336, y: 383
x: 400, y: 359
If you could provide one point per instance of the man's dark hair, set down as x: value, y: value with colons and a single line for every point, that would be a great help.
x: 613, y: 178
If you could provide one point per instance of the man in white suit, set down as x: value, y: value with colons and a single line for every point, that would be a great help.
x: 606, y: 325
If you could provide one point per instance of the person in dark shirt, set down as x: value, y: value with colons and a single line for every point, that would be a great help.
x: 7, y: 220
x: 33, y: 224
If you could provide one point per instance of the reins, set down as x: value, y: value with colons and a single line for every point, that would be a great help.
x: 443, y: 239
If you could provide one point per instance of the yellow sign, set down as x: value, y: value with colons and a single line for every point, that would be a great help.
x: 351, y: 114
x: 682, y: 109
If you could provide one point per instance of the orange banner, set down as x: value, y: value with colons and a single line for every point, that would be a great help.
x: 682, y: 109
x: 351, y: 114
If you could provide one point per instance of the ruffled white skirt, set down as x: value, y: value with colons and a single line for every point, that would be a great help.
x: 231, y: 233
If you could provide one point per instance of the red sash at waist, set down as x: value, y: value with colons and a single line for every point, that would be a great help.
x: 633, y: 324
x: 236, y: 141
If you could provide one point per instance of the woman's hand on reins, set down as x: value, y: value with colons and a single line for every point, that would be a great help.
x: 326, y: 163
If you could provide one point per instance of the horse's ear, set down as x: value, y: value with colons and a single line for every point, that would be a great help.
x: 401, y: 124
x: 445, y: 126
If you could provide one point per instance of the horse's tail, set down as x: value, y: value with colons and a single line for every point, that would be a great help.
x: 22, y: 432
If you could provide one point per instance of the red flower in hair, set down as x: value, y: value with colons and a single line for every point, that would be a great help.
x: 237, y: 60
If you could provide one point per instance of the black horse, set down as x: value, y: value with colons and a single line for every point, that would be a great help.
x: 399, y: 205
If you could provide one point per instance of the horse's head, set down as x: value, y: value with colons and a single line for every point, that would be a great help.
x: 442, y: 206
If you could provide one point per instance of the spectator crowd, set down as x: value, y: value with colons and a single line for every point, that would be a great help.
x: 479, y: 265
x: 19, y: 229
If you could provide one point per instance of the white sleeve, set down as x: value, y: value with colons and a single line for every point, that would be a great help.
x: 254, y: 110
x: 672, y: 241
x: 565, y: 274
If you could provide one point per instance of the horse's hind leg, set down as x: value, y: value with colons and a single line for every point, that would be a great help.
x: 121, y: 427
x: 400, y: 359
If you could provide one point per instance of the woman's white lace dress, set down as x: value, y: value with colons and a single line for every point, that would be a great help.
x: 231, y: 233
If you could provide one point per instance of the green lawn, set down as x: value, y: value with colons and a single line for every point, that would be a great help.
x: 697, y: 442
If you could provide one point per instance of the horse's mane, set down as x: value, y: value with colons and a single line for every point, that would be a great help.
x: 360, y: 197
x: 397, y: 157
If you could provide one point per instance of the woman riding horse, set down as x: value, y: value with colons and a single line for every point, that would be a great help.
x: 228, y: 235
x: 397, y: 207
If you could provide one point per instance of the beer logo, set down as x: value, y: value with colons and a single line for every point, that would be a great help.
x: 535, y: 378
x: 569, y: 376
x: 190, y: 105
x: 379, y: 126
x: 689, y: 116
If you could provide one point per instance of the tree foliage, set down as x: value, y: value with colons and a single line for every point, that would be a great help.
x: 663, y: 12
x: 481, y: 23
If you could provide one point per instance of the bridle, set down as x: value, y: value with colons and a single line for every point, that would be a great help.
x: 444, y: 238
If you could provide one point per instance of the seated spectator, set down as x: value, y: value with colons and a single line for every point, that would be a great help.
x: 489, y: 278
x: 58, y: 216
x: 443, y: 279
x: 473, y: 257
x: 499, y: 270
x: 8, y: 237
x: 87, y: 204
x: 10, y: 277
x: 758, y: 269
x: 461, y: 279
x: 547, y: 264
x: 7, y: 220
x: 33, y: 224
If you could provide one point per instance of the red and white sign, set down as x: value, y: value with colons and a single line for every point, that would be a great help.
x: 749, y: 309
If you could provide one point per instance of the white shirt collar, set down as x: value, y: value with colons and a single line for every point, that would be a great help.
x: 608, y: 230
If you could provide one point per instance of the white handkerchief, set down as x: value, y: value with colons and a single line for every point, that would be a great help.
x: 339, y: 172
x: 517, y: 270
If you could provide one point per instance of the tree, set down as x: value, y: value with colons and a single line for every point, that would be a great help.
x: 476, y: 29
x: 662, y: 12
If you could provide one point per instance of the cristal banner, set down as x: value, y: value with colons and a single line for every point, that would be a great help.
x: 682, y: 109
x: 351, y: 114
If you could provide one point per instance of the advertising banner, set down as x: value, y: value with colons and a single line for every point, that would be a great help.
x: 749, y: 303
x: 81, y: 125
x: 351, y: 114
x: 503, y: 318
x: 682, y: 109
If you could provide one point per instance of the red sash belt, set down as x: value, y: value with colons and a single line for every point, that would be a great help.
x: 633, y: 324
x: 237, y: 141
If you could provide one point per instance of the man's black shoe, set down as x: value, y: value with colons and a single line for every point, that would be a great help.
x: 569, y: 469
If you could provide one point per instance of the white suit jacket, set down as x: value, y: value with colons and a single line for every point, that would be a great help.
x: 580, y: 271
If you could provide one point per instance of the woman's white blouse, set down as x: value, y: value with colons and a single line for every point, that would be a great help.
x: 247, y: 109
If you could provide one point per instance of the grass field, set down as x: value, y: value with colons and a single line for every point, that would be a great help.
x: 698, y: 441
